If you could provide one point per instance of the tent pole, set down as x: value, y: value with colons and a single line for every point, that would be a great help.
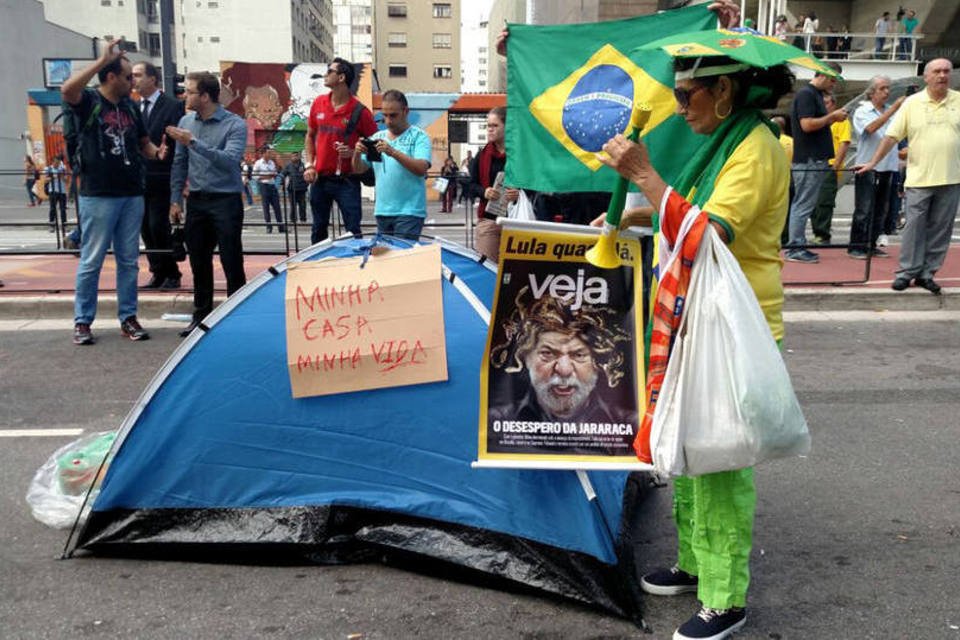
x: 587, y: 487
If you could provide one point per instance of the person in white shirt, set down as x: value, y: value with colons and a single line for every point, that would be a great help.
x: 265, y: 173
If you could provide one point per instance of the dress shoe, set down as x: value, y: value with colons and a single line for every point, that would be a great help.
x: 928, y: 284
x: 171, y: 283
x: 900, y: 284
x: 190, y: 327
x: 155, y: 283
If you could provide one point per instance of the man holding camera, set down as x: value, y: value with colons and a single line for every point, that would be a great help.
x: 337, y: 121
x: 400, y: 156
x: 930, y: 119
x: 872, y: 189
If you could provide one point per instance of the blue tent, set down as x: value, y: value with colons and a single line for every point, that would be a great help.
x: 217, y: 457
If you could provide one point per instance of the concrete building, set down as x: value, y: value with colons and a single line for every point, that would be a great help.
x: 26, y: 38
x: 501, y: 12
x: 474, y: 56
x: 353, y: 30
x: 417, y: 45
x: 136, y: 20
x: 209, y: 31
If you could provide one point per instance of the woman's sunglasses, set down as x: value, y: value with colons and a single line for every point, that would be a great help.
x: 683, y: 95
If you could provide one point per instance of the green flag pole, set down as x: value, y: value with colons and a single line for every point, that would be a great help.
x: 604, y: 253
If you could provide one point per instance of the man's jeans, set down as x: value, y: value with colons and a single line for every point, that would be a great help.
x: 407, y: 227
x: 871, y: 199
x: 105, y: 221
x: 270, y: 197
x: 346, y: 193
x: 808, y: 178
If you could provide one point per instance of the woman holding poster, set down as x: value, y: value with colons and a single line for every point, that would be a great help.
x: 740, y: 178
x: 491, y: 161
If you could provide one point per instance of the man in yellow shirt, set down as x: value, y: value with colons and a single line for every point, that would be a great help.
x: 930, y: 119
x: 822, y: 216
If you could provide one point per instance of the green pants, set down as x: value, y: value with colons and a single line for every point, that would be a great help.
x: 714, y: 517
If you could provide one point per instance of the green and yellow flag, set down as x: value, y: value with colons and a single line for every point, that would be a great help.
x: 572, y: 87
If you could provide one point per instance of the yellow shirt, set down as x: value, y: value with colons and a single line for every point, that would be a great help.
x: 750, y: 201
x: 787, y: 143
x: 933, y: 130
x: 841, y: 133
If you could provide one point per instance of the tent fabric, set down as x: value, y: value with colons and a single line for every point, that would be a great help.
x: 218, y: 453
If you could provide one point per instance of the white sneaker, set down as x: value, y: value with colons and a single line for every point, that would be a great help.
x: 883, y: 240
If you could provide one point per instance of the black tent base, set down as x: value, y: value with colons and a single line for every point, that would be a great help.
x: 334, y: 534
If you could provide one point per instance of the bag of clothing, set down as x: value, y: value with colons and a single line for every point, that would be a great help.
x: 727, y: 401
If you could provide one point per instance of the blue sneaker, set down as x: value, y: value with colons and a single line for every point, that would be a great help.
x: 801, y: 255
x: 711, y: 624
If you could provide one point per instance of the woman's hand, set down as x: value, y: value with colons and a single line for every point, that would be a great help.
x: 728, y: 13
x: 629, y: 159
x: 513, y: 195
x: 491, y: 194
x: 635, y: 217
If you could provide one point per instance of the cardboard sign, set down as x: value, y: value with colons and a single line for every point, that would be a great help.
x: 351, y: 328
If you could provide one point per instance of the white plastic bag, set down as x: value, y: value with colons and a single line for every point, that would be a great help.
x: 522, y: 209
x: 440, y: 185
x: 726, y: 401
x: 60, y: 485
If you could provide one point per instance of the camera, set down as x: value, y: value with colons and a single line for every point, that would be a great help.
x: 912, y: 89
x: 372, y: 154
x: 126, y: 46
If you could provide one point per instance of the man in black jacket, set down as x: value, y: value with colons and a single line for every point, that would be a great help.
x: 159, y: 111
x: 296, y: 187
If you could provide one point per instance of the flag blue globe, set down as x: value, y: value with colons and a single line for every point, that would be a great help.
x: 598, y: 107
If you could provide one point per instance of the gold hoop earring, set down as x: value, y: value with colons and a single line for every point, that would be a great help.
x: 720, y: 116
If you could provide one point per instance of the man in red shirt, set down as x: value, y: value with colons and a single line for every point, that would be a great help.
x: 337, y: 121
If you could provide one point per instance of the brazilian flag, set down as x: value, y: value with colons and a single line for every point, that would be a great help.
x: 570, y: 88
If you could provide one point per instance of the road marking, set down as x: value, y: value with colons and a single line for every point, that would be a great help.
x: 935, y: 315
x: 34, y: 433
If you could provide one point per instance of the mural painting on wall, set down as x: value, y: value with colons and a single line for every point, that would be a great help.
x: 275, y: 99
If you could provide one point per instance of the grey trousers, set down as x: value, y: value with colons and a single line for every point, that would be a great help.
x: 930, y: 213
x: 808, y: 178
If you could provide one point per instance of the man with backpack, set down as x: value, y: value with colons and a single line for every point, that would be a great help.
x: 337, y: 121
x: 107, y: 141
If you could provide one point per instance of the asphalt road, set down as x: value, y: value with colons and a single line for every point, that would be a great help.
x: 859, y: 540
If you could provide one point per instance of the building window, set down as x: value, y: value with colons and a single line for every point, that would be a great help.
x: 105, y: 3
x: 153, y: 44
x: 442, y: 10
x: 213, y: 5
x: 397, y: 10
x: 199, y: 38
x: 398, y: 71
x: 214, y: 38
x: 397, y: 40
x: 442, y: 71
x: 442, y: 41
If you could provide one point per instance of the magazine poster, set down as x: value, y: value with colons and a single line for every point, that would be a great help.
x: 561, y: 379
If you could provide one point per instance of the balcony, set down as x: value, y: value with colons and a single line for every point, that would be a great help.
x: 862, y: 55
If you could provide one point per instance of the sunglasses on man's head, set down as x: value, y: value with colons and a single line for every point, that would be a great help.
x: 683, y: 95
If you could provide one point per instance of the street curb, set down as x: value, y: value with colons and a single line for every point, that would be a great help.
x: 53, y: 306
x: 866, y: 299
x: 153, y: 306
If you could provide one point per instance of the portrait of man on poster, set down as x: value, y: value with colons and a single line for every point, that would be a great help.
x: 561, y: 364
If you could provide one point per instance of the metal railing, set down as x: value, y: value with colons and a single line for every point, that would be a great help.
x: 830, y: 45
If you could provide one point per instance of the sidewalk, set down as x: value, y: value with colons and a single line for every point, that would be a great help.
x: 42, y: 286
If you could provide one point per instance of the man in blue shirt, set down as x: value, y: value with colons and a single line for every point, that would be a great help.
x: 211, y: 142
x: 872, y: 188
x: 401, y: 168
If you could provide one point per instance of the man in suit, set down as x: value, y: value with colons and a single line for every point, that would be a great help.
x: 159, y: 111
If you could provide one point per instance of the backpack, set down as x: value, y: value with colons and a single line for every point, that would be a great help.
x: 73, y: 130
x: 367, y: 178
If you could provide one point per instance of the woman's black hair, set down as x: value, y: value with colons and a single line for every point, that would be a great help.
x: 778, y: 79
